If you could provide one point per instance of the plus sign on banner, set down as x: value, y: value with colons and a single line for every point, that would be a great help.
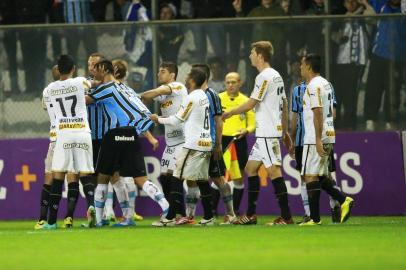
x: 26, y: 177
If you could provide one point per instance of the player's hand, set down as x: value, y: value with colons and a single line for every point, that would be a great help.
x: 226, y: 115
x: 217, y: 152
x: 237, y: 5
x: 292, y: 153
x: 243, y: 132
x: 154, y: 117
x: 155, y: 143
x: 320, y: 149
x: 287, y: 141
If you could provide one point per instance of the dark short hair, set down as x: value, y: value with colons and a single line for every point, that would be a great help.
x: 106, y: 65
x: 263, y: 48
x: 65, y: 64
x: 198, y: 76
x: 314, y: 61
x: 120, y: 69
x: 171, y: 67
x: 203, y: 67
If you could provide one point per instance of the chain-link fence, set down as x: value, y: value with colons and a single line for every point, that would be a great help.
x: 364, y: 59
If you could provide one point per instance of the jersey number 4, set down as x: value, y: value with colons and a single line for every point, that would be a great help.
x: 72, y: 107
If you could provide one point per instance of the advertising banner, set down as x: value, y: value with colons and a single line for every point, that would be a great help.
x: 370, y: 169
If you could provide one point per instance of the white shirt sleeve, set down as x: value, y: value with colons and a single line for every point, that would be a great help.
x: 315, y: 97
x: 171, y: 120
x: 260, y: 88
x: 185, y: 109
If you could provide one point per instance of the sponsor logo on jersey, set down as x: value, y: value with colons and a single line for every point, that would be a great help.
x: 203, y: 102
x: 72, y: 126
x: 68, y: 90
x: 204, y: 143
x: 277, y: 80
x: 205, y: 135
x: 170, y: 150
x: 264, y: 86
x: 178, y: 87
x: 124, y: 138
x: 166, y: 104
x: 83, y: 146
x: 174, y: 134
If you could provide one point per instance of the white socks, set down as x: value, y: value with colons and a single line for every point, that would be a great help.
x: 192, y: 197
x: 132, y: 192
x: 225, y: 192
x: 108, y: 208
x: 156, y: 194
x: 122, y: 197
x: 305, y: 198
x: 100, y: 200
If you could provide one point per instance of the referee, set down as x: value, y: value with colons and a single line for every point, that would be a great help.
x: 237, y: 126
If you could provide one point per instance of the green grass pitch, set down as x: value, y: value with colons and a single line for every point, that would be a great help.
x: 362, y: 243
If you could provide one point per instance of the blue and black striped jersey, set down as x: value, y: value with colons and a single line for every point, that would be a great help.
x: 122, y: 108
x: 215, y: 110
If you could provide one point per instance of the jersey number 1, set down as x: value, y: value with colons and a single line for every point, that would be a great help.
x: 72, y: 108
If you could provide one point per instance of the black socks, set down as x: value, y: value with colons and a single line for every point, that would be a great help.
x: 253, y: 192
x: 282, y: 195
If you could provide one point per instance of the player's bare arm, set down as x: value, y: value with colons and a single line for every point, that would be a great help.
x: 152, y: 140
x: 218, y: 152
x: 294, y: 130
x: 147, y: 96
x: 89, y: 100
x: 245, y: 107
x: 286, y: 140
x: 318, y: 127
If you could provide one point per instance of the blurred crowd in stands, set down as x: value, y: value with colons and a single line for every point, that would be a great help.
x: 358, y: 48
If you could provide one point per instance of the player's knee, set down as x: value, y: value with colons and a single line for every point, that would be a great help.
x: 274, y: 172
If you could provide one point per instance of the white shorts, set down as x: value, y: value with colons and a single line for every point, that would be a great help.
x: 192, y: 165
x: 50, y: 155
x: 168, y: 161
x: 73, y: 153
x: 267, y: 151
x: 312, y: 163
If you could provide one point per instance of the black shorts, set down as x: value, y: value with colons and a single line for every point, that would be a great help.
x: 217, y: 168
x: 298, y: 157
x: 241, y: 147
x: 96, y: 149
x: 121, y: 151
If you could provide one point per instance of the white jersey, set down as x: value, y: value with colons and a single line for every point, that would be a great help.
x: 194, y: 111
x: 69, y: 105
x: 46, y: 103
x: 269, y: 90
x: 319, y: 94
x: 170, y: 105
